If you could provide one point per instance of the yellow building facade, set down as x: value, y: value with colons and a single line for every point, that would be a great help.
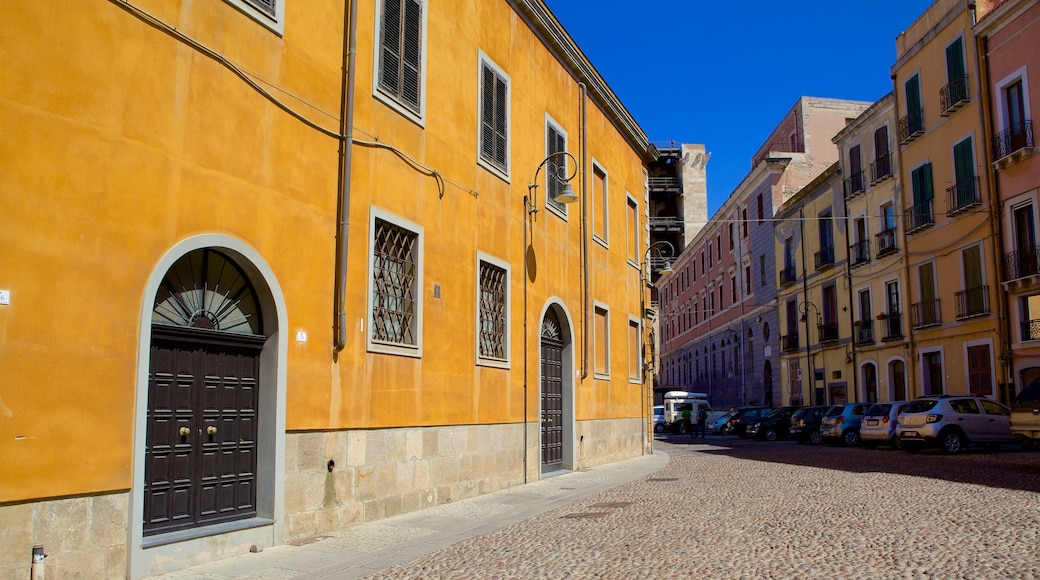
x: 949, y: 210
x: 272, y: 269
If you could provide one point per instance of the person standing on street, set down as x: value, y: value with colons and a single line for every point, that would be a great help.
x: 702, y: 420
x: 687, y: 422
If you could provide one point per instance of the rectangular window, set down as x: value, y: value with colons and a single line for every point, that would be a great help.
x: 980, y: 370
x: 747, y: 280
x: 743, y: 221
x: 762, y: 270
x: 921, y: 185
x: 400, y: 53
x: 599, y: 203
x: 635, y: 347
x: 556, y: 169
x: 711, y: 256
x: 396, y: 283
x: 731, y: 242
x: 914, y: 113
x: 718, y: 248
x: 492, y: 315
x: 602, y: 352
x: 633, y: 230
x: 494, y: 117
x: 733, y: 289
x: 270, y: 13
x: 964, y: 192
x: 956, y: 90
x: 760, y: 214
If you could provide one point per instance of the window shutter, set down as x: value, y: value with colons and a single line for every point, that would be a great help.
x: 963, y: 162
x: 412, y: 56
x: 487, y: 112
x: 500, y: 122
x: 955, y: 61
x: 926, y: 174
x: 881, y: 143
x: 390, y: 69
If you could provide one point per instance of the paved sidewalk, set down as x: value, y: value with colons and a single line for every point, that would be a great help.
x: 368, y: 548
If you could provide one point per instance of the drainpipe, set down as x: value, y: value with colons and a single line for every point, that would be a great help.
x: 848, y: 286
x: 805, y: 307
x: 586, y: 298
x: 346, y: 141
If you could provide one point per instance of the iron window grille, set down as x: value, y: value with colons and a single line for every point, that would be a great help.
x: 394, y: 272
x: 492, y: 314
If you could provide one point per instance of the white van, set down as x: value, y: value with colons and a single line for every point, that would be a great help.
x: 676, y: 401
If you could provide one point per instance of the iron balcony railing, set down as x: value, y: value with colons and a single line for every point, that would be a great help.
x: 962, y: 196
x: 972, y: 302
x: 926, y: 313
x: 886, y: 242
x: 864, y: 331
x: 789, y: 342
x: 853, y: 185
x: 1030, y: 330
x: 881, y: 168
x: 918, y: 217
x: 1016, y: 137
x: 828, y: 332
x: 954, y: 95
x: 664, y: 183
x: 824, y: 258
x: 1021, y: 264
x: 892, y: 324
x: 911, y: 126
x: 787, y: 277
x: 860, y: 252
x: 669, y: 223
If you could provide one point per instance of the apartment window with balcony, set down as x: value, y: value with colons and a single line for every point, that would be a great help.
x: 974, y: 299
x: 1030, y: 317
x: 1014, y: 125
x: 829, y: 314
x: 955, y: 94
x: 789, y: 341
x: 926, y: 312
x: 555, y: 145
x: 980, y: 370
x: 964, y: 193
x: 892, y: 321
x: 920, y: 214
x: 787, y: 275
x: 853, y: 184
x: 825, y: 256
x: 1024, y: 259
x: 882, y: 165
x: 912, y: 124
x: 864, y: 327
x: 886, y: 238
x: 494, y: 117
x: 860, y: 250
x: 401, y: 59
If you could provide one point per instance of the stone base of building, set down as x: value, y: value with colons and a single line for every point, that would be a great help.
x: 333, y: 480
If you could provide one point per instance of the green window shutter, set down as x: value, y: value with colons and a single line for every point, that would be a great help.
x: 926, y: 182
x: 913, y: 95
x: 955, y: 61
x: 963, y: 162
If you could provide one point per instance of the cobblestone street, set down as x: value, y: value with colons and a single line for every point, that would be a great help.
x: 744, y: 509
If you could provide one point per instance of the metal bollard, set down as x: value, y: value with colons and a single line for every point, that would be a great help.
x: 36, y: 570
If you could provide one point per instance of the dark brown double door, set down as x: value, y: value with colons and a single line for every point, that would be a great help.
x: 552, y: 404
x: 200, y: 455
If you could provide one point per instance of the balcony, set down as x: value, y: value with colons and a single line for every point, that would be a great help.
x: 886, y: 242
x: 881, y: 169
x: 853, y: 185
x: 666, y: 224
x: 1013, y: 143
x: 911, y: 126
x: 828, y: 332
x: 926, y: 313
x: 954, y: 95
x: 1030, y: 330
x: 778, y: 147
x: 787, y: 277
x: 892, y: 325
x: 962, y: 196
x: 665, y: 185
x: 918, y: 217
x: 972, y: 302
x: 859, y: 252
x: 863, y: 332
x: 1021, y: 264
x: 824, y: 259
x: 789, y: 342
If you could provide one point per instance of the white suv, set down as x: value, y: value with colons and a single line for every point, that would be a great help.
x: 951, y: 422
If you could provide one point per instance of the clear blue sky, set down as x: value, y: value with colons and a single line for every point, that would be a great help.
x: 724, y: 73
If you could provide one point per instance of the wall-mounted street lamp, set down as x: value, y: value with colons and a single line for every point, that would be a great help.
x: 804, y: 309
x: 663, y: 252
x: 555, y: 170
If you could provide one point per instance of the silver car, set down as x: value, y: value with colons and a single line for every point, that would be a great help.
x: 950, y: 422
x: 878, y: 426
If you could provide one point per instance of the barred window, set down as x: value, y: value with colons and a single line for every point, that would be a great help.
x: 394, y: 285
x: 268, y: 7
x: 400, y: 52
x: 491, y: 316
x: 494, y: 117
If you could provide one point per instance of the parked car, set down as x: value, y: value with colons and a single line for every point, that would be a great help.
x: 1025, y: 416
x: 805, y: 424
x: 951, y: 422
x: 738, y: 423
x: 659, y: 424
x: 842, y: 422
x: 718, y: 426
x: 774, y: 425
x: 878, y: 426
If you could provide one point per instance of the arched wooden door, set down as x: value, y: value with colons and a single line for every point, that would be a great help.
x: 552, y: 345
x: 203, y: 396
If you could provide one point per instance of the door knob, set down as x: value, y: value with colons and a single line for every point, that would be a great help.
x: 211, y: 430
x: 185, y: 431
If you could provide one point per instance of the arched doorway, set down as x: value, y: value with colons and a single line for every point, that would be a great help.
x: 870, y: 385
x: 556, y: 385
x: 203, y: 396
x: 211, y: 353
x: 897, y: 378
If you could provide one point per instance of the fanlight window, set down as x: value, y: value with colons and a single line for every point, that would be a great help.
x: 206, y: 290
